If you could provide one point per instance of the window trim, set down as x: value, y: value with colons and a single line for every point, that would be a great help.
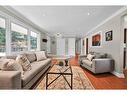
x: 10, y: 19
x: 4, y: 53
x: 38, y: 42
x: 17, y: 31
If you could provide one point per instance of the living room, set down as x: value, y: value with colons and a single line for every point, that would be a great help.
x: 63, y: 47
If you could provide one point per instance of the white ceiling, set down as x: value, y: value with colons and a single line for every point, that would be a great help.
x: 67, y: 20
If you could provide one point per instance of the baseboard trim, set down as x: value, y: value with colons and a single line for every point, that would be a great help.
x: 119, y: 75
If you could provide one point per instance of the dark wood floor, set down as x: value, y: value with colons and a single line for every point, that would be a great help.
x: 103, y: 81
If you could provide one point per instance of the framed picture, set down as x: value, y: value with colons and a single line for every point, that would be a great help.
x: 108, y: 36
x: 96, y: 40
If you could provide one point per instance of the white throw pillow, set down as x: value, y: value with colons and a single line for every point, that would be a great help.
x: 22, y: 59
x: 90, y: 57
x: 40, y: 55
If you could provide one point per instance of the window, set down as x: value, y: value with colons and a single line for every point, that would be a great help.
x: 33, y: 40
x: 18, y: 38
x: 2, y: 37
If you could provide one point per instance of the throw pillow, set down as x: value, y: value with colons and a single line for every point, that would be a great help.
x: 11, y: 65
x: 90, y: 57
x: 40, y: 55
x: 31, y: 56
x: 22, y: 59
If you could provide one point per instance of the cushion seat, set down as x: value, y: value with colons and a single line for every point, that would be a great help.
x: 37, y: 66
x: 87, y: 62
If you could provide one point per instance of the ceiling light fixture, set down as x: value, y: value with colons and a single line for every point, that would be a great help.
x: 88, y: 14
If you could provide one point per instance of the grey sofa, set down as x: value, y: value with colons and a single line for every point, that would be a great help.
x: 99, y: 64
x: 13, y: 79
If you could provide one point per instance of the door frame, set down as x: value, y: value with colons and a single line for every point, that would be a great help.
x: 125, y: 49
x: 87, y: 44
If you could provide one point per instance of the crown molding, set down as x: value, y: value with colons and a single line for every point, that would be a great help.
x: 106, y: 20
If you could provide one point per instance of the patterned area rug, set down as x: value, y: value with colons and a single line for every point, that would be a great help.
x: 80, y: 81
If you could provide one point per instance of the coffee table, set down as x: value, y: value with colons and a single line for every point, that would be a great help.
x: 63, y: 59
x: 61, y: 71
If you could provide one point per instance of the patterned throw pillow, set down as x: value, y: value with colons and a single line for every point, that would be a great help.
x: 40, y: 55
x: 31, y: 56
x: 22, y: 59
x: 11, y: 65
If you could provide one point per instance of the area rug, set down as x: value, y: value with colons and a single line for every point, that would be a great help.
x: 80, y: 81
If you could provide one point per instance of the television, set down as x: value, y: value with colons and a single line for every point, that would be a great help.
x: 44, y: 40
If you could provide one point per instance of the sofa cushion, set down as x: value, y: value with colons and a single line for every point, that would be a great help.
x: 31, y: 56
x: 22, y: 59
x: 41, y: 55
x: 36, y: 68
x: 87, y: 62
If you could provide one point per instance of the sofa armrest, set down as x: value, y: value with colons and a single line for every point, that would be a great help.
x: 81, y: 57
x: 102, y: 65
x: 10, y: 80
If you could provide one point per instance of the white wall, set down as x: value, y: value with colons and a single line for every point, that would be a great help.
x: 65, y: 46
x: 43, y: 45
x: 82, y: 47
x: 48, y: 44
x: 71, y: 46
x: 78, y: 46
x: 53, y: 45
x: 115, y: 47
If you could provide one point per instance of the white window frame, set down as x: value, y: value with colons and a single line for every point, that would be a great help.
x: 38, y: 40
x: 10, y: 19
x: 4, y: 53
x: 19, y: 24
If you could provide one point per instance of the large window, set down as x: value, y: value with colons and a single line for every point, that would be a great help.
x: 2, y: 36
x: 18, y: 38
x: 33, y: 41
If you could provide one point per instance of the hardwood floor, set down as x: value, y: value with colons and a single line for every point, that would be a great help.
x: 103, y: 81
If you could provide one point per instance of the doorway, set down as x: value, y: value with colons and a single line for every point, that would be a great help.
x: 125, y: 44
x: 125, y: 49
x: 86, y: 45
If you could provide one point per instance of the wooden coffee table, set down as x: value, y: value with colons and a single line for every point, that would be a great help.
x: 60, y: 71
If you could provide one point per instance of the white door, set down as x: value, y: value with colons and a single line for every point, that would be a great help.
x: 71, y: 46
x: 60, y: 46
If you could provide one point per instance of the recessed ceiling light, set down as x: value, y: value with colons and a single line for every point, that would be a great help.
x: 43, y: 15
x: 88, y: 14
